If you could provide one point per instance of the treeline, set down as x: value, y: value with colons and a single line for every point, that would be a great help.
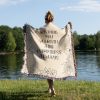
x: 87, y: 42
x: 11, y: 39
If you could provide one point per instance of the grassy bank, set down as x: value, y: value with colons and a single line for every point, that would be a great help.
x: 37, y: 90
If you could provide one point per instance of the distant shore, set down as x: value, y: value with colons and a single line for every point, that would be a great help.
x: 7, y: 53
x: 87, y: 50
x: 17, y: 52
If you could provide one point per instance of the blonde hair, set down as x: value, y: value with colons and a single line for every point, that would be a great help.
x: 48, y: 17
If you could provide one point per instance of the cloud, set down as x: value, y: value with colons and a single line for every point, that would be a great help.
x: 10, y: 2
x: 84, y: 6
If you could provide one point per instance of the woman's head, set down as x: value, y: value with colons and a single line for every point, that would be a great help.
x: 48, y: 17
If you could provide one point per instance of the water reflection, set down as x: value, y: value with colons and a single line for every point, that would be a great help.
x: 88, y: 66
x: 10, y: 65
x: 98, y: 59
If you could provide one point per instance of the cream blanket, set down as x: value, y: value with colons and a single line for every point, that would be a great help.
x: 48, y: 52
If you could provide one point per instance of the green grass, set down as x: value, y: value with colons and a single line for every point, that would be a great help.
x: 37, y: 90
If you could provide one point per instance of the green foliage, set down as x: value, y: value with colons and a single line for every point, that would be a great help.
x: 19, y: 38
x: 91, y: 42
x: 76, y: 40
x: 11, y: 39
x: 98, y: 40
x: 2, y: 40
x: 4, y: 30
x: 86, y: 42
x: 83, y: 42
x: 38, y: 90
x: 10, y: 42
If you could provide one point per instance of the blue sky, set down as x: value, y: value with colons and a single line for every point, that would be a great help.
x: 84, y: 14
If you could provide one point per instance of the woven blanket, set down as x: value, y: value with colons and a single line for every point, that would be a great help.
x: 49, y: 52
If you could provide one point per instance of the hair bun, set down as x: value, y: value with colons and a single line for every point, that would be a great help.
x: 49, y: 17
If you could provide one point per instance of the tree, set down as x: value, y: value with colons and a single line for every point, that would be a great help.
x: 87, y: 42
x: 83, y: 42
x: 2, y: 40
x: 91, y: 42
x: 76, y: 40
x: 3, y: 33
x: 10, y: 42
x: 19, y: 38
x: 98, y: 40
x: 7, y: 35
x: 5, y: 28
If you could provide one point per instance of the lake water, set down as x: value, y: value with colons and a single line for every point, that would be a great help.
x: 88, y: 66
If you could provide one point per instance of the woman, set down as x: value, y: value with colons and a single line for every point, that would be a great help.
x: 48, y: 19
x: 49, y: 52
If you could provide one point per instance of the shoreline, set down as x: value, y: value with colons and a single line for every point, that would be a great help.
x: 7, y: 53
x: 17, y: 52
x: 87, y: 50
